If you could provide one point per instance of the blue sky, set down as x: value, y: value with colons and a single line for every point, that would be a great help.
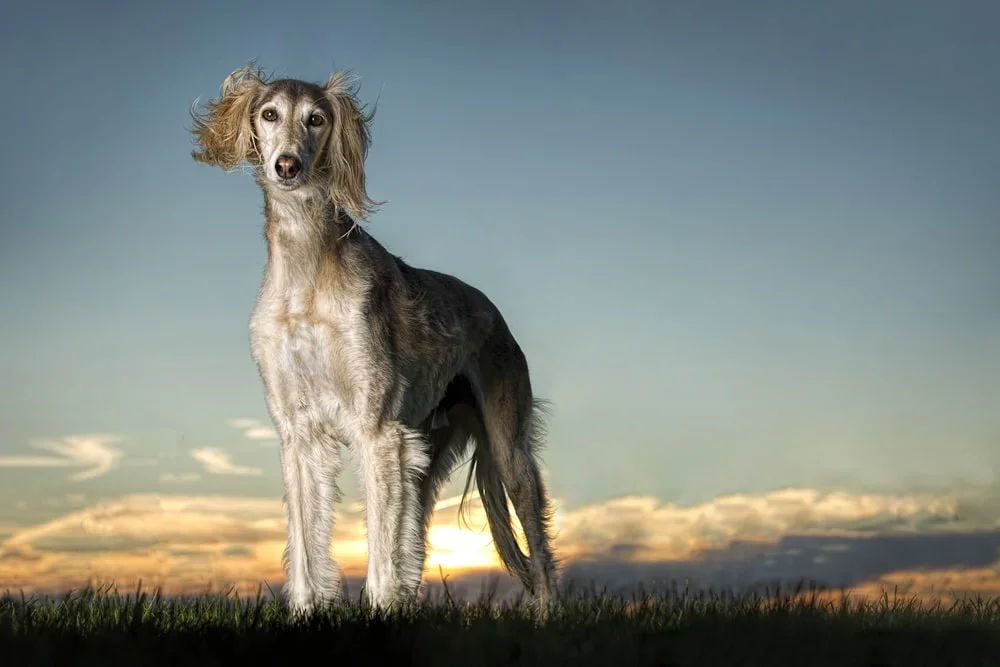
x: 743, y: 249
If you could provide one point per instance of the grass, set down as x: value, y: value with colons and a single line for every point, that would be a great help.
x: 678, y: 628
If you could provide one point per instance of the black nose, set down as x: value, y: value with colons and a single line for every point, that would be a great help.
x: 288, y: 166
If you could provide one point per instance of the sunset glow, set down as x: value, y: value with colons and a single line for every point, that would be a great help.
x: 187, y: 543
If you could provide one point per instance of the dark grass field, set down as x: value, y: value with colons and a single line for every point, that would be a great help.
x: 102, y: 628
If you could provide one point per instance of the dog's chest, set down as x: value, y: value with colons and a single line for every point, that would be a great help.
x: 310, y: 355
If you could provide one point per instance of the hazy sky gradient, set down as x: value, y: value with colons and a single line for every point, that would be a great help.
x: 743, y: 248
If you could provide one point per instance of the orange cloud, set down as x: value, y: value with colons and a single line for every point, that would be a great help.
x: 669, y: 531
x: 184, y: 542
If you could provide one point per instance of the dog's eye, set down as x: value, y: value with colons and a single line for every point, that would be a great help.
x: 316, y: 120
x: 269, y: 115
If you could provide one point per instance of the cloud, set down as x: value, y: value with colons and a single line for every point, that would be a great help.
x: 844, y: 561
x: 659, y: 530
x: 7, y: 528
x: 94, y: 453
x: 930, y: 543
x: 154, y: 538
x: 253, y: 429
x: 179, y: 478
x: 261, y: 433
x: 216, y: 462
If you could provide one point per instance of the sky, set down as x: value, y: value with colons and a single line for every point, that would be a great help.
x: 751, y: 253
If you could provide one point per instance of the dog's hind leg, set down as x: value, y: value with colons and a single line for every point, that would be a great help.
x: 447, y: 446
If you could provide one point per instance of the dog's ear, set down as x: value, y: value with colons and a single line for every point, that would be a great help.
x: 224, y: 130
x: 347, y: 147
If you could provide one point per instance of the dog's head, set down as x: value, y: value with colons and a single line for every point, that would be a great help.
x: 303, y: 140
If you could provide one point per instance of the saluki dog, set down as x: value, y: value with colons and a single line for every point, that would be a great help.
x: 407, y: 368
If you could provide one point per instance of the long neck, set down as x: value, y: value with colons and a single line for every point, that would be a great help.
x: 298, y: 232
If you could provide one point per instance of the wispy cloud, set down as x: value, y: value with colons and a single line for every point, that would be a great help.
x: 217, y: 462
x: 253, y: 429
x: 94, y: 453
x: 179, y: 478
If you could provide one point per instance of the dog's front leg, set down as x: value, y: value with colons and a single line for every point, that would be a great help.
x: 393, y: 462
x: 279, y: 398
x: 310, y: 463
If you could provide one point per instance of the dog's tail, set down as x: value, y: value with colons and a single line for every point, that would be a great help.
x: 494, y: 498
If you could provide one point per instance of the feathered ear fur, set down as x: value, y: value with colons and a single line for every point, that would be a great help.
x: 347, y: 147
x: 224, y: 131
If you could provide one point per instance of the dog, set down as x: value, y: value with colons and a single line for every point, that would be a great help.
x: 408, y: 369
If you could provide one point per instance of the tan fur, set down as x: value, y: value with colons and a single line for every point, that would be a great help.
x: 349, y: 148
x: 224, y: 130
x: 225, y: 135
